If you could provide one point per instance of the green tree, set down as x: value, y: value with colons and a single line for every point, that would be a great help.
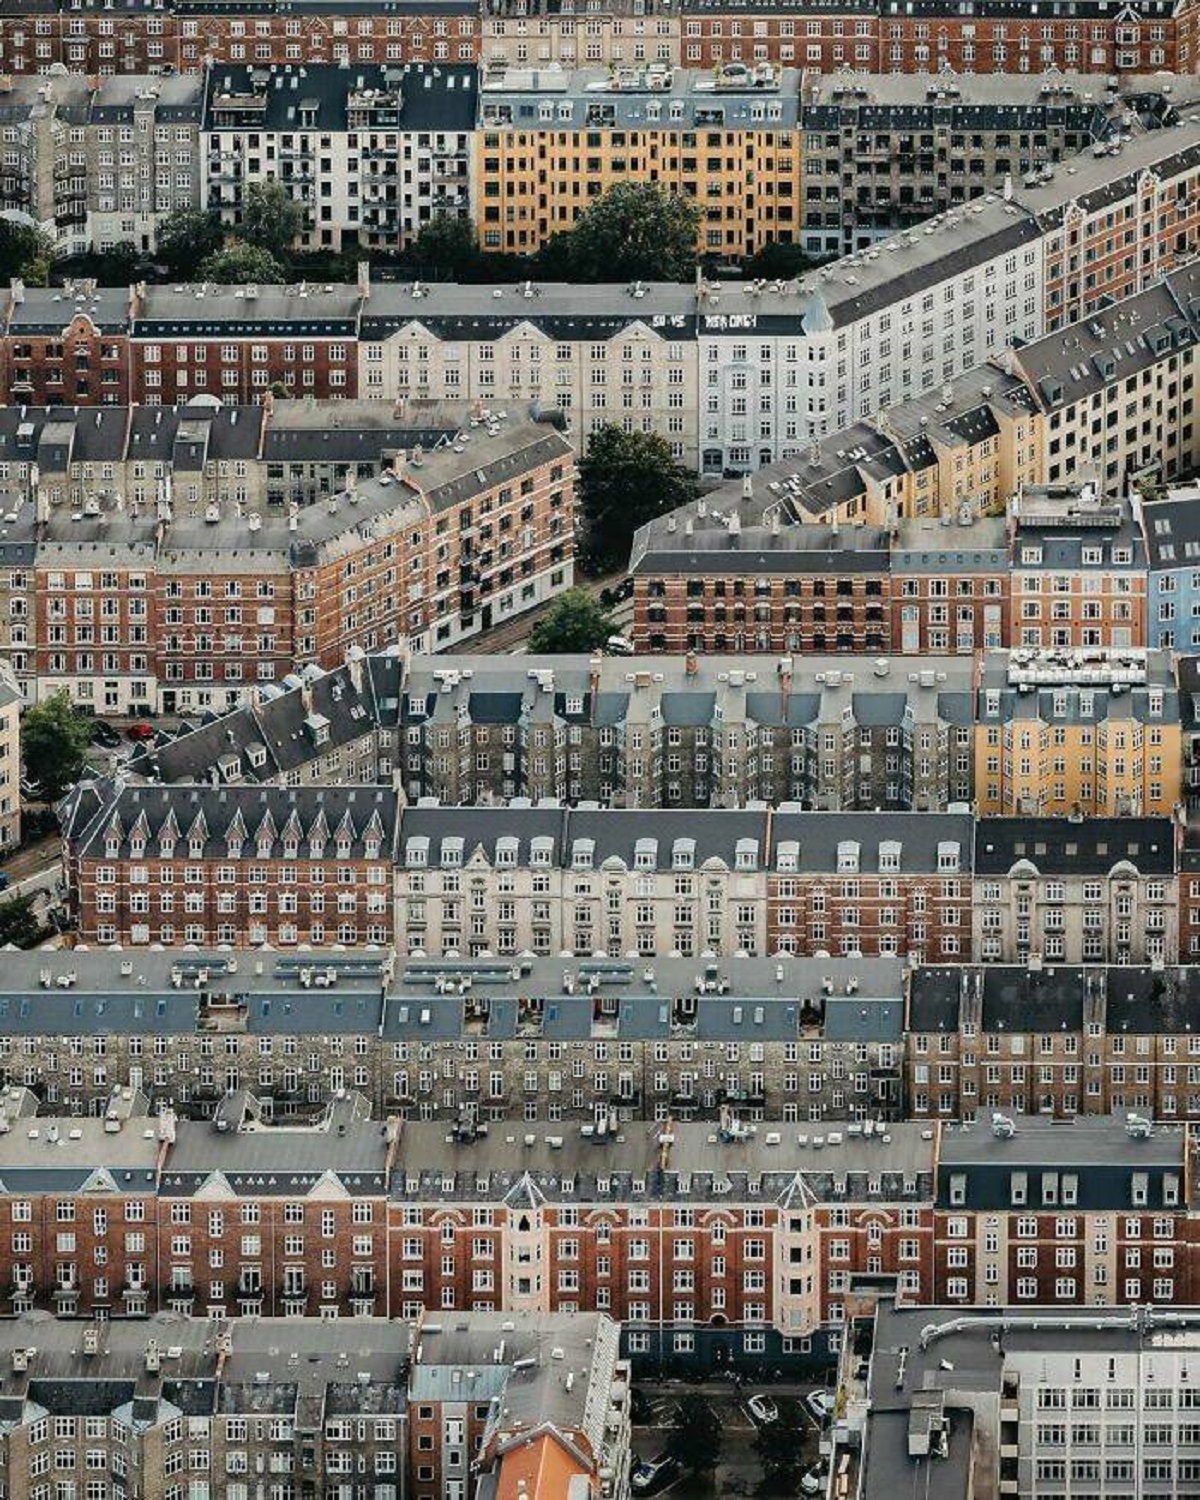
x: 625, y: 480
x: 778, y: 259
x: 54, y: 741
x: 574, y: 622
x: 696, y: 1437
x: 188, y: 237
x: 238, y: 264
x: 272, y: 218
x: 780, y: 1446
x: 18, y: 924
x: 447, y: 244
x: 635, y: 231
x: 25, y: 251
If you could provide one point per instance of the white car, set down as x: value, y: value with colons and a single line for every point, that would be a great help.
x: 763, y: 1409
x: 821, y: 1405
x: 812, y: 1481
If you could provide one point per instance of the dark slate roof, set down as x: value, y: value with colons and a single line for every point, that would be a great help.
x: 1172, y: 528
x: 1159, y: 1002
x: 1068, y: 846
x: 263, y: 813
x: 1097, y: 1151
x: 919, y: 835
x: 1019, y: 999
x: 431, y: 97
x: 934, y: 997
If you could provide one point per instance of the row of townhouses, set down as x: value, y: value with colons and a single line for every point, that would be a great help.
x: 611, y: 1042
x: 130, y: 599
x: 325, y: 865
x: 734, y: 374
x: 741, y: 1241
x: 376, y: 150
x: 404, y: 1407
x: 1087, y: 36
x: 1067, y: 733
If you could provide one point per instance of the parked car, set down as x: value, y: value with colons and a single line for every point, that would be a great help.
x: 763, y: 1409
x: 104, y: 734
x: 812, y: 1481
x: 653, y: 1473
x: 820, y: 1405
x: 31, y: 790
x: 619, y: 645
x: 4, y: 880
x: 141, y: 731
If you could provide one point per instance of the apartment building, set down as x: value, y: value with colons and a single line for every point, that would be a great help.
x: 1087, y: 890
x: 43, y: 127
x: 601, y: 354
x: 1091, y: 1213
x: 144, y: 157
x: 612, y: 881
x: 686, y: 731
x: 1054, y: 1042
x: 550, y: 1039
x: 68, y: 346
x: 551, y: 139
x: 883, y: 152
x: 1171, y: 526
x: 372, y: 153
x: 1078, y: 570
x: 182, y: 37
x: 237, y: 865
x: 329, y: 1399
x: 889, y: 38
x: 249, y: 458
x: 865, y: 884
x: 238, y: 343
x: 1101, y: 1397
x: 135, y: 607
x: 1083, y: 733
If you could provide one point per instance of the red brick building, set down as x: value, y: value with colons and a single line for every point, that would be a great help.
x: 236, y: 865
x: 149, y: 38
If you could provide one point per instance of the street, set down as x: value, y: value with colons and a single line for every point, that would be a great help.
x: 738, y: 1472
x: 510, y: 637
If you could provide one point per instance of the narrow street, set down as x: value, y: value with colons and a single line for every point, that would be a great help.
x: 510, y: 637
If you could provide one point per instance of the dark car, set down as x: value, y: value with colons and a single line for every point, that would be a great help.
x: 105, y: 735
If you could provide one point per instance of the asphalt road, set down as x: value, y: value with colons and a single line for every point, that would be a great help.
x: 738, y: 1472
x: 510, y: 637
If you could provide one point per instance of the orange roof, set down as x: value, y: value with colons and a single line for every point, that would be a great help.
x: 546, y: 1465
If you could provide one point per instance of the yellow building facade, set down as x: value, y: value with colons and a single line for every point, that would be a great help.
x: 550, y: 142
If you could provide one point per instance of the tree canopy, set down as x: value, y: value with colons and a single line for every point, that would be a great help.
x: 635, y: 231
x: 697, y: 1437
x: 54, y: 742
x: 239, y: 264
x: 781, y: 1447
x: 574, y: 622
x: 25, y: 252
x: 625, y: 480
x: 271, y: 218
x: 18, y: 923
x: 446, y: 246
x: 186, y: 238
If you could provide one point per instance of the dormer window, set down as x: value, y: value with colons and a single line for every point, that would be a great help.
x: 196, y: 848
x: 343, y: 847
x: 235, y: 848
x: 291, y: 848
x: 949, y: 861
x: 889, y: 857
x: 847, y: 857
x: 540, y: 852
x: 746, y: 855
x: 264, y: 848
x: 373, y: 847
x: 112, y: 848
x: 166, y: 849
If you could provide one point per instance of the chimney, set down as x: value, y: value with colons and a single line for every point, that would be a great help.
x: 364, y: 279
x: 666, y: 1139
x: 594, y: 665
x: 690, y: 664
x: 306, y: 697
x: 1008, y: 187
